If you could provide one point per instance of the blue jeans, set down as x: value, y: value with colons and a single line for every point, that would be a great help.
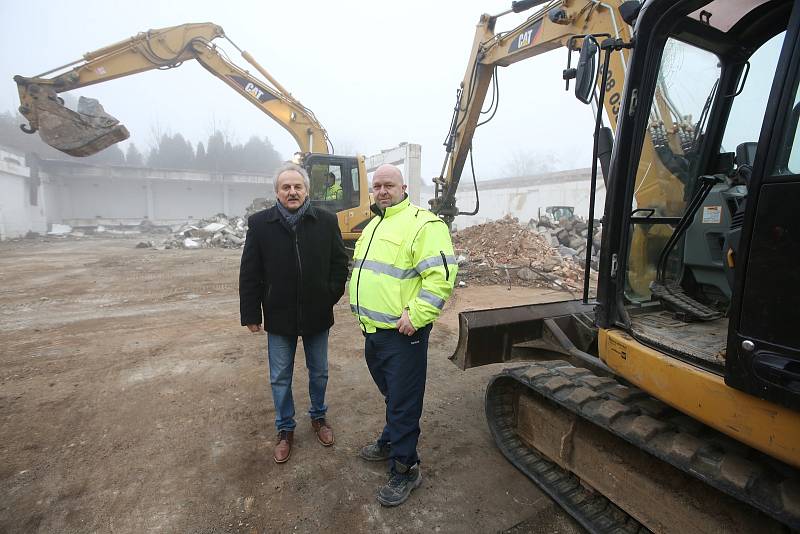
x: 281, y: 364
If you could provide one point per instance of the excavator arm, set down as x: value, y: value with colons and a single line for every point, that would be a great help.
x: 90, y: 129
x: 557, y: 24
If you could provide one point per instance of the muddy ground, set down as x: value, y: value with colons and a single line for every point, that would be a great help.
x: 131, y: 400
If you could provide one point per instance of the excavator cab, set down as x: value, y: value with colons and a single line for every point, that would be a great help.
x: 83, y: 132
x: 334, y: 181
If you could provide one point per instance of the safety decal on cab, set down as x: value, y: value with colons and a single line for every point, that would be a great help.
x: 253, y: 89
x: 528, y: 36
x: 712, y: 214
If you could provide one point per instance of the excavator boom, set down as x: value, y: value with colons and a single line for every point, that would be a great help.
x: 89, y: 129
x: 560, y: 23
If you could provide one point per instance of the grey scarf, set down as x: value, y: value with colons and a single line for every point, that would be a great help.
x: 293, y: 218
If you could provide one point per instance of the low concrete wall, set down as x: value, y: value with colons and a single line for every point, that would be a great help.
x: 39, y: 193
x: 22, y: 203
x: 85, y: 195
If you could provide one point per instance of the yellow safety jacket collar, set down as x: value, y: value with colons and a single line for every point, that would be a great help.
x: 391, y: 210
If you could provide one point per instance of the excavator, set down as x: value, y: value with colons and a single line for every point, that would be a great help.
x: 669, y: 399
x: 89, y: 129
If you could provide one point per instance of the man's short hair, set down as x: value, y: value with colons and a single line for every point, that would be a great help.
x: 289, y: 166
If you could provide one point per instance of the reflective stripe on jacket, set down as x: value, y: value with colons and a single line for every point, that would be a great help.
x: 403, y: 258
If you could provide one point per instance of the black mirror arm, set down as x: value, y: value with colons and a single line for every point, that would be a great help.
x: 609, y: 45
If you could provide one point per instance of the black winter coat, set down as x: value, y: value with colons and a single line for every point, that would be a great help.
x: 295, y: 299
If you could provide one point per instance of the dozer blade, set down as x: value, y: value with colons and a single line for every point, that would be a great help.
x: 77, y: 133
x: 528, y: 332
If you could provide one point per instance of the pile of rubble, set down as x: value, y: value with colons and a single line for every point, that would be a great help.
x: 219, y: 231
x: 257, y: 205
x: 216, y: 231
x: 544, y: 253
x: 569, y: 236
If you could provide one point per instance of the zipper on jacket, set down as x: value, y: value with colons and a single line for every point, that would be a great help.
x: 299, y: 282
x: 446, y: 269
x: 358, y: 278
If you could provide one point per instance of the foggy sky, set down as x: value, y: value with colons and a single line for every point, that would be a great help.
x: 374, y: 73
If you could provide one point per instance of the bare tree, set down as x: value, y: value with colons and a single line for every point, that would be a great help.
x: 157, y: 133
x: 524, y: 162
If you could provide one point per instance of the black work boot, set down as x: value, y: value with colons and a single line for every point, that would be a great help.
x: 402, y: 481
x: 376, y: 453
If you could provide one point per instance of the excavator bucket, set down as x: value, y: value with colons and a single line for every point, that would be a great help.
x: 78, y: 133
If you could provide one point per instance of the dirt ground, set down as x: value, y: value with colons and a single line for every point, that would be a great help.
x: 131, y: 400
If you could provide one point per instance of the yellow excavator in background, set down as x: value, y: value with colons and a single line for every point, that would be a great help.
x: 671, y: 401
x: 89, y: 129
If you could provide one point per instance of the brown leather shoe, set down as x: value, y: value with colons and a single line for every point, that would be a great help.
x: 283, y: 449
x: 324, y: 431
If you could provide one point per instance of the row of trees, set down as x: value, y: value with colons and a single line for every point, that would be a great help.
x: 170, y: 151
x: 218, y: 155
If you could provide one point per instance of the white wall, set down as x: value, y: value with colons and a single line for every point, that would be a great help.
x: 407, y: 155
x: 91, y: 198
x: 523, y: 197
x: 240, y: 196
x: 79, y: 194
x: 18, y: 215
x: 85, y: 195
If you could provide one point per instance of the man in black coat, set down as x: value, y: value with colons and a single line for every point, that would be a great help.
x: 294, y: 268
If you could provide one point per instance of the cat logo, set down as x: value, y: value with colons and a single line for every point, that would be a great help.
x: 254, y: 90
x: 527, y: 37
x: 524, y: 39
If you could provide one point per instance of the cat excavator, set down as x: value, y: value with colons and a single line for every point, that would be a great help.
x: 669, y: 400
x: 89, y: 129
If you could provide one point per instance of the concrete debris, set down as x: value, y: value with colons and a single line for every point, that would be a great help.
x: 257, y: 205
x: 146, y: 226
x: 543, y: 253
x: 59, y: 229
x: 217, y: 231
x: 213, y: 227
x: 124, y: 231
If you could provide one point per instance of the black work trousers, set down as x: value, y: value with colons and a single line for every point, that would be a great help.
x: 398, y: 365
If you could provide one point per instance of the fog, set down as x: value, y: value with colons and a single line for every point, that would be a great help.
x: 374, y: 73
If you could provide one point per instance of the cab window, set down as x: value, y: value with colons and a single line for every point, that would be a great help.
x: 668, y: 169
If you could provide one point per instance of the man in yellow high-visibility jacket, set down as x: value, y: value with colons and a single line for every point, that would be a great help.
x: 333, y: 191
x: 403, y: 271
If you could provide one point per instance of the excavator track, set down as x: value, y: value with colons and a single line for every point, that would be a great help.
x: 620, y: 461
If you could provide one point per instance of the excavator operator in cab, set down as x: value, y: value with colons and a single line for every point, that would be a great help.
x: 333, y: 190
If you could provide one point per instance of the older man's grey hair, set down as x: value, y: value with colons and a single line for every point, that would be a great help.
x: 288, y: 166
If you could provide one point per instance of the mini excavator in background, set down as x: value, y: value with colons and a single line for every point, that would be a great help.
x: 670, y: 402
x: 90, y: 129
